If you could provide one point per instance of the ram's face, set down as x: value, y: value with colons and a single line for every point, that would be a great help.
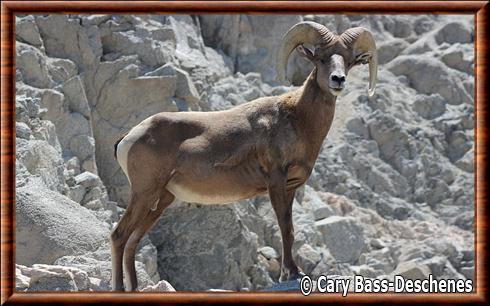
x: 333, y: 55
x: 331, y: 74
x: 332, y: 65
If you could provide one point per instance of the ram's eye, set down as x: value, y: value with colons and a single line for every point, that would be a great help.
x: 364, y: 58
x: 322, y: 61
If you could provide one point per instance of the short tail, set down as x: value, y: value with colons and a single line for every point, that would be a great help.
x: 117, y: 142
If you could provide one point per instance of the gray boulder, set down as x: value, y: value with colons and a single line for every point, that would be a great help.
x: 423, y: 24
x: 357, y: 126
x: 460, y: 56
x: 429, y: 107
x: 161, y: 286
x: 458, y: 145
x: 22, y: 130
x: 87, y: 180
x: 236, y: 36
x: 22, y: 281
x: 69, y: 113
x: 76, y: 193
x: 50, y: 225
x: 380, y: 260
x: 75, y: 97
x: 185, y: 87
x: 307, y: 258
x: 26, y: 108
x: 466, y: 162
x: 27, y: 32
x: 392, y: 139
x: 45, y: 130
x: 153, y: 42
x: 394, y: 208
x: 454, y: 32
x: 64, y: 37
x: 468, y: 272
x: 217, y: 250
x: 148, y: 255
x: 390, y: 49
x: 313, y: 203
x: 41, y: 277
x: 399, y: 26
x: 33, y: 66
x: 430, y: 76
x: 100, y: 269
x: 61, y: 70
x: 343, y: 237
x: 42, y: 160
x: 412, y: 270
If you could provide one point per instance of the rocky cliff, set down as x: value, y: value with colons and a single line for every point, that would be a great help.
x: 392, y: 191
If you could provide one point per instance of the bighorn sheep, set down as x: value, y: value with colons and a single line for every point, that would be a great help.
x: 266, y: 145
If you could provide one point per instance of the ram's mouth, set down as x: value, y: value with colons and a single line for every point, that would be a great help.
x: 336, y: 91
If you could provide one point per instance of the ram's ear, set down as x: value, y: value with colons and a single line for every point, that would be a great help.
x: 305, y: 52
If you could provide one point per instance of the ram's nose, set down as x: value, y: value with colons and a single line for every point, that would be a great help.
x: 337, y: 81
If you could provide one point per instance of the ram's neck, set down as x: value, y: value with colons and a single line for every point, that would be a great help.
x: 314, y: 112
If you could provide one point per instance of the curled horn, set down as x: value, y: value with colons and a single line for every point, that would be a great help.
x: 362, y: 42
x: 304, y: 32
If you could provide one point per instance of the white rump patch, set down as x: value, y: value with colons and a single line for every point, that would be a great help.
x: 127, y: 142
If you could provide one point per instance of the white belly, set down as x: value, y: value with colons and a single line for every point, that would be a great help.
x: 187, y: 195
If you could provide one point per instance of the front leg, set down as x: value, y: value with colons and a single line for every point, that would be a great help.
x: 282, y: 202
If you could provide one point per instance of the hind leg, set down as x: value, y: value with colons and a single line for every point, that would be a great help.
x: 144, y: 225
x: 148, y: 169
x: 121, y: 233
x: 119, y: 236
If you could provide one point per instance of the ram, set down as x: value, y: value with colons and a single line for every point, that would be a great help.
x: 268, y: 145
